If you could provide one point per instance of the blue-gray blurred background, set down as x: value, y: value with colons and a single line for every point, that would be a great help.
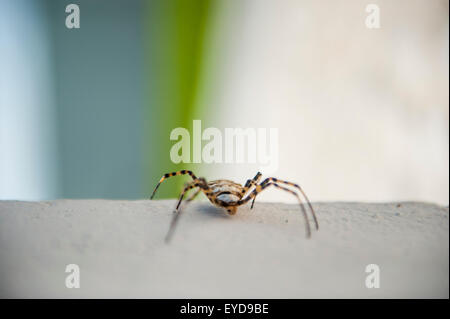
x: 362, y: 113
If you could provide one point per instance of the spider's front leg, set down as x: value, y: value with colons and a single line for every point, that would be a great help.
x: 165, y: 176
x: 276, y: 180
x: 201, y: 183
x: 259, y: 188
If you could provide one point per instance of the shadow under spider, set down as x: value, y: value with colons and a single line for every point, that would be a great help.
x: 209, y: 210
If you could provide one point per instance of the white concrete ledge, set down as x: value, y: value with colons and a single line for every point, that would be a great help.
x: 261, y: 253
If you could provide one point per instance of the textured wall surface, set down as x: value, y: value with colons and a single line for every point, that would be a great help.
x: 263, y: 252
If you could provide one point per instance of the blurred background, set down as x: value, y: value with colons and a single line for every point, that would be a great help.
x: 362, y: 113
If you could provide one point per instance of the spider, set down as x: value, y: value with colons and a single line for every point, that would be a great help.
x: 230, y: 195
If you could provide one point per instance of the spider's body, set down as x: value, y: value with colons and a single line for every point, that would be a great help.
x: 230, y: 195
x: 225, y: 193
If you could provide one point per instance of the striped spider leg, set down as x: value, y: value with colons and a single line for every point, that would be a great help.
x: 202, y: 185
x: 274, y: 181
x: 165, y: 176
x: 251, y: 183
x: 197, y: 182
x: 193, y: 196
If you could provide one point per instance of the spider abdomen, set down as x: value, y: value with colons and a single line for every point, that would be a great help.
x: 225, y: 192
x: 227, y: 198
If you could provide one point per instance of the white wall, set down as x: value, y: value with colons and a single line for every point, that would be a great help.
x: 362, y: 113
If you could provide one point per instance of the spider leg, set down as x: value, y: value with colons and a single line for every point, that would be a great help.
x: 250, y: 183
x: 259, y: 188
x: 193, y: 196
x: 182, y: 172
x: 190, y: 198
x: 201, y: 183
x: 253, y: 203
x: 272, y: 179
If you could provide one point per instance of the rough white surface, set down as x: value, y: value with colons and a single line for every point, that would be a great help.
x: 259, y: 253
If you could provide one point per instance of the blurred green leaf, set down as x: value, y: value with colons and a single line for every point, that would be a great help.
x: 175, y: 34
